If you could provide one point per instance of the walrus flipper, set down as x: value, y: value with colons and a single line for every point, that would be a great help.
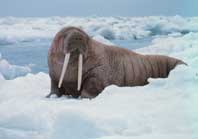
x: 162, y: 65
x: 55, y: 90
x: 92, y: 87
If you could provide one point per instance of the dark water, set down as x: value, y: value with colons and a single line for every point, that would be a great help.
x: 34, y: 54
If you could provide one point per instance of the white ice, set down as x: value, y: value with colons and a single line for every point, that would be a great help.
x: 15, y: 30
x: 9, y: 71
x: 164, y: 109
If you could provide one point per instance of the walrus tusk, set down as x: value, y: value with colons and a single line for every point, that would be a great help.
x: 80, y: 63
x: 66, y: 61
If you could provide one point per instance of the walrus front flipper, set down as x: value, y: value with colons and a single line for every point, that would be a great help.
x: 91, y: 88
x: 55, y: 90
x: 162, y: 65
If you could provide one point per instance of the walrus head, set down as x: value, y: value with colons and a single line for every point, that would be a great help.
x: 72, y: 41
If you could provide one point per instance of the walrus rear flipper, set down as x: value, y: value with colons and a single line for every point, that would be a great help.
x: 162, y: 65
x: 180, y: 62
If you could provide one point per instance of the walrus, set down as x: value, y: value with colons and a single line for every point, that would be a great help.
x: 82, y: 67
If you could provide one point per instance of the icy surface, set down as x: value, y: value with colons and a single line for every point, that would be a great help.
x: 9, y: 71
x: 15, y: 30
x: 164, y: 109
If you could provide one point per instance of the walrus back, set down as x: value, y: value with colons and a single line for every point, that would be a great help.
x: 132, y: 69
x: 121, y: 65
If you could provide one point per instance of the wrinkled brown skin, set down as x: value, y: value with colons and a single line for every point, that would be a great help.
x: 103, y: 65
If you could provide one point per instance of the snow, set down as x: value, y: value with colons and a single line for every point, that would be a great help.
x: 165, y: 109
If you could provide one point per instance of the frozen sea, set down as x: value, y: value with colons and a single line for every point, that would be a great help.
x: 165, y: 109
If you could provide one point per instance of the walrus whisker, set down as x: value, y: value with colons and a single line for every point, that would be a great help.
x: 80, y: 63
x: 66, y: 61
